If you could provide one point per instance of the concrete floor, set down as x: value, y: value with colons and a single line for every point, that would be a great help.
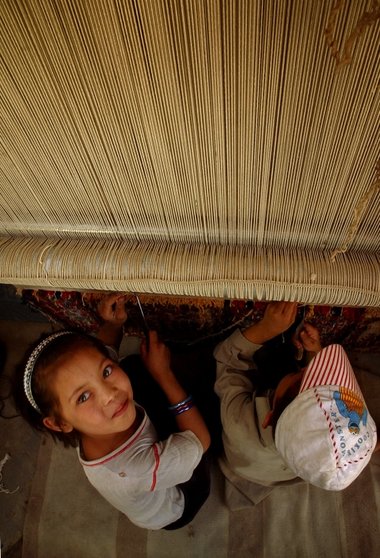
x: 17, y: 440
x: 19, y: 328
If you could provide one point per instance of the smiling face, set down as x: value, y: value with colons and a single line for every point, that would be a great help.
x: 95, y: 398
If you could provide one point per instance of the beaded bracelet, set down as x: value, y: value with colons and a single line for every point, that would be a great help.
x: 174, y: 407
x: 182, y: 406
x: 183, y: 409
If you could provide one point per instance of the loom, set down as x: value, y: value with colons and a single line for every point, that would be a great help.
x: 200, y: 148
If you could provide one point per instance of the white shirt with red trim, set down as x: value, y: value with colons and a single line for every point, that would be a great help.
x: 139, y: 478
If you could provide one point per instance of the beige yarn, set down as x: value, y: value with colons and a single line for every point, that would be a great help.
x: 206, y: 148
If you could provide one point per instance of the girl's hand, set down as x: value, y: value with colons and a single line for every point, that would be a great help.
x: 112, y: 309
x: 157, y: 358
x: 278, y: 317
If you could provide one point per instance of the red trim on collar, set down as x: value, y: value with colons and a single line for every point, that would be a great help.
x: 157, y: 459
x: 127, y: 445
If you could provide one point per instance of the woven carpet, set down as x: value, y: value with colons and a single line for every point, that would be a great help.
x: 190, y: 321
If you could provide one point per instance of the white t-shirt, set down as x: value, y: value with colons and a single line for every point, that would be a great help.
x: 139, y: 478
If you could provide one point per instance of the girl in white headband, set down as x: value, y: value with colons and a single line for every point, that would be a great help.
x: 73, y: 389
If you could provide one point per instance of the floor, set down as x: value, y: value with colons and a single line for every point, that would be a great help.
x: 18, y: 443
x: 29, y: 466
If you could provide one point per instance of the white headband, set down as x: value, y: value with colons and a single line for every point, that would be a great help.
x: 28, y: 372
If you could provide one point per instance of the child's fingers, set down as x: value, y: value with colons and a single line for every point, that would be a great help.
x: 155, y: 355
x: 311, y: 330
x: 153, y: 337
x: 306, y: 340
x: 109, y: 300
x: 143, y: 348
x: 112, y: 307
x: 297, y: 344
x: 279, y: 316
x: 309, y: 342
x: 105, y: 305
x: 149, y: 345
x: 294, y: 310
x: 120, y: 311
x: 289, y: 310
x: 105, y: 311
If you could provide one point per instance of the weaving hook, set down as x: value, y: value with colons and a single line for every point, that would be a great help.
x: 144, y: 322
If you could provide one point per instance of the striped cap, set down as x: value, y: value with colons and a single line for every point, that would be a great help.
x: 330, y: 367
x: 326, y: 435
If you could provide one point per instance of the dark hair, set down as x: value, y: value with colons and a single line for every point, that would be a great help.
x: 44, y: 367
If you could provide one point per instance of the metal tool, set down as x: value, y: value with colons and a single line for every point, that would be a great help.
x: 144, y: 322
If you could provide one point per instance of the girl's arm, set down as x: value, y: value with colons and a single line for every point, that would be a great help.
x: 112, y: 310
x: 157, y: 361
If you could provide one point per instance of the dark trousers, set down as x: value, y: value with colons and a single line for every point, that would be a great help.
x: 196, y: 491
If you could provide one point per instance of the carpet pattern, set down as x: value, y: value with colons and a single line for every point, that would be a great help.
x: 187, y: 321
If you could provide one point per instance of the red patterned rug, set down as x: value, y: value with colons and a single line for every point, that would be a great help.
x: 187, y: 321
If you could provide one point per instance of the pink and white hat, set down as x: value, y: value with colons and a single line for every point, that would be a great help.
x: 326, y: 435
